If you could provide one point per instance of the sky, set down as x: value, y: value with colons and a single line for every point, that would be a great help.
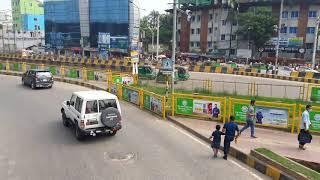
x: 148, y: 5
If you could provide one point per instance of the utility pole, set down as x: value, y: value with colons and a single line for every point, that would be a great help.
x: 279, y: 33
x: 174, y: 43
x: 316, y: 33
x: 158, y: 27
x: 2, y: 38
x: 152, y: 41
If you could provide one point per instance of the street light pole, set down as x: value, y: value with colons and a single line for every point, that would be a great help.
x: 152, y: 41
x: 158, y: 27
x: 279, y: 33
x: 173, y: 57
x: 315, y: 42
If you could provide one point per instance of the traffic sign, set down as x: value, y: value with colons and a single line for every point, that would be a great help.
x: 167, y: 64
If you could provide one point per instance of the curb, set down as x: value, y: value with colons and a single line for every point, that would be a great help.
x: 247, y: 159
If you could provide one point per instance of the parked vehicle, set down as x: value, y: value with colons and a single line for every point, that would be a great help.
x: 183, y: 73
x: 37, y: 78
x: 147, y: 72
x: 91, y: 113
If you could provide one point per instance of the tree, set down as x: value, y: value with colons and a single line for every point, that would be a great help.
x: 165, y: 30
x: 258, y: 25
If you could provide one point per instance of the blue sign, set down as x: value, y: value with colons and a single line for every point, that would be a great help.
x: 167, y: 64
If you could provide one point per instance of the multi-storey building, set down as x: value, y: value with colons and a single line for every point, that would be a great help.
x: 27, y: 15
x: 209, y: 29
x: 76, y: 24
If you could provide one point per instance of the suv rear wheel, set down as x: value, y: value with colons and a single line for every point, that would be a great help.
x: 79, y: 135
x: 65, y: 120
x: 111, y: 133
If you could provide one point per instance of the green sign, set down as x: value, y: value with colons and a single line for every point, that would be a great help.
x: 90, y: 75
x: 53, y: 70
x: 15, y: 67
x: 240, y: 112
x: 146, y: 101
x: 1, y: 66
x: 73, y: 73
x: 184, y: 106
x: 116, y: 79
x: 33, y: 66
x: 315, y: 94
x: 315, y: 120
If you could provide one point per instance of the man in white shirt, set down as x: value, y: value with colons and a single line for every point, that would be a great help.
x: 304, y: 126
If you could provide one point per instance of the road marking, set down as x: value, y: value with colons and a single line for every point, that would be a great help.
x: 205, y: 145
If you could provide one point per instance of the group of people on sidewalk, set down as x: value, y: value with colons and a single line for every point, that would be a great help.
x: 231, y: 131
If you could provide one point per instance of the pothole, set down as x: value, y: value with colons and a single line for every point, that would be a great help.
x: 120, y: 156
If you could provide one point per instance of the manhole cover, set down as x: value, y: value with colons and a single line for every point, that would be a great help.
x: 120, y: 156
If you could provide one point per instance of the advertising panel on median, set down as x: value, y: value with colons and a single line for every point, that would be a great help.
x: 264, y: 115
x: 315, y: 94
x: 130, y: 95
x: 186, y: 106
x: 152, y: 103
x: 315, y: 120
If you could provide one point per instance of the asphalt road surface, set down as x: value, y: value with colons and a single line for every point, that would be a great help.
x: 34, y: 145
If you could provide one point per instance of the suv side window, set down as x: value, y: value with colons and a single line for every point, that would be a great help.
x: 73, y: 100
x: 78, y: 106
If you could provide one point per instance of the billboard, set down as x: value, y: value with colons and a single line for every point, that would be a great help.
x: 295, y: 42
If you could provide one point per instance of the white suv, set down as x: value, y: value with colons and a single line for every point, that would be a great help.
x: 92, y: 112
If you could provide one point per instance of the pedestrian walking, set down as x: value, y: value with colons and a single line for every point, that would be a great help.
x: 229, y: 129
x: 304, y: 136
x: 250, y: 119
x: 216, y: 140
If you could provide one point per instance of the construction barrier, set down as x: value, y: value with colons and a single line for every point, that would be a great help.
x: 199, y: 106
x: 276, y: 115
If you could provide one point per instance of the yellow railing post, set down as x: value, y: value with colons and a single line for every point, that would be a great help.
x: 141, y: 98
x: 119, y: 90
x: 62, y: 74
x: 24, y: 67
x: 172, y: 105
x: 298, y: 118
x: 84, y: 74
x: 164, y: 107
x: 294, y: 118
x: 109, y: 80
x: 42, y: 67
x: 7, y: 66
x: 136, y: 79
x: 225, y: 109
x: 229, y: 108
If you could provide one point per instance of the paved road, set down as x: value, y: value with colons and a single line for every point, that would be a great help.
x: 35, y: 145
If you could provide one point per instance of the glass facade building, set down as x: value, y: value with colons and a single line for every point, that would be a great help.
x: 77, y: 23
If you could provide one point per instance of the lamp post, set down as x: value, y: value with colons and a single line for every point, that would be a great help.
x: 279, y: 33
x: 316, y: 33
x: 158, y: 27
x: 173, y: 56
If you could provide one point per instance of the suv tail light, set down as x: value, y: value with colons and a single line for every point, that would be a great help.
x: 82, y: 125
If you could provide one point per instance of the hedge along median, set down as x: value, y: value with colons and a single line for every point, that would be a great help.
x: 284, y: 164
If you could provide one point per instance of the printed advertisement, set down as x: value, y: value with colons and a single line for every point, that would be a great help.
x: 153, y: 104
x: 114, y: 89
x: 184, y: 106
x: 209, y: 108
x: 315, y: 120
x: 263, y: 115
x: 315, y: 94
x: 130, y: 95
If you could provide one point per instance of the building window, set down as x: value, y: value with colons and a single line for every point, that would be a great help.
x: 215, y: 17
x: 309, y: 45
x: 285, y: 14
x: 179, y: 31
x: 198, y: 18
x: 294, y: 14
x: 179, y: 20
x: 311, y: 30
x: 210, y: 30
x: 192, y: 31
x: 198, y: 30
x: 210, y: 16
x: 234, y: 23
x: 209, y: 44
x: 232, y: 51
x: 223, y: 37
x: 198, y: 44
x: 233, y: 37
x: 284, y: 30
x: 193, y: 18
x: 312, y: 14
x: 293, y: 30
x: 191, y: 44
x: 224, y: 22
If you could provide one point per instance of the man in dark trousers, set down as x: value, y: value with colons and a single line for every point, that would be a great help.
x: 229, y: 129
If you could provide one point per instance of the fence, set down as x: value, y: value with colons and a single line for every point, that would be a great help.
x: 277, y: 115
x: 199, y: 106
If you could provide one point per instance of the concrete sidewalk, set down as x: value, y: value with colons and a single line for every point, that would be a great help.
x: 283, y: 143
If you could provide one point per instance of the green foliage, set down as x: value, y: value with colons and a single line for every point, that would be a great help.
x: 258, y: 25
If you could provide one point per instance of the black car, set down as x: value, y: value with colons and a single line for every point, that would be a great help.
x: 37, y: 78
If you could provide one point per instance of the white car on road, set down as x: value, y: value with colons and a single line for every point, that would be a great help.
x: 91, y: 113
